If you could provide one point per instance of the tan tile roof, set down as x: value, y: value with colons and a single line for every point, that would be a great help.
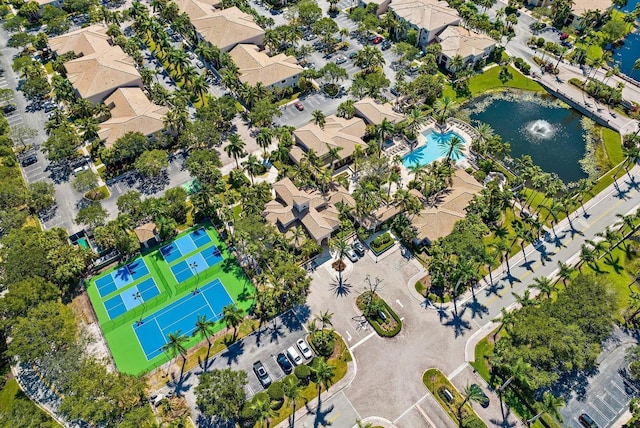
x: 320, y: 219
x: 374, y: 112
x: 337, y: 132
x: 456, y: 40
x: 84, y: 41
x: 381, y: 215
x: 100, y: 72
x: 437, y: 221
x: 581, y: 6
x: 131, y: 111
x: 197, y: 8
x: 227, y: 28
x: 427, y: 14
x: 256, y: 66
x: 145, y: 232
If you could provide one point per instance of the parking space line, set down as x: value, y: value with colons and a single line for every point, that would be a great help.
x: 614, y: 398
x: 598, y: 412
x: 607, y: 405
x: 364, y: 339
x: 621, y: 389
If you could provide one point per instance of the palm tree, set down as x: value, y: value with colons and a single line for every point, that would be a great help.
x: 293, y: 392
x: 453, y: 148
x: 415, y: 120
x: 176, y: 345
x: 298, y: 235
x: 506, y: 319
x: 384, y: 130
x: 264, y: 139
x: 484, y: 133
x: 205, y: 328
x: 233, y: 317
x: 518, y: 370
x: 444, y: 108
x: 333, y: 152
x: 324, y: 318
x: 550, y: 404
x: 565, y: 272
x: 545, y: 285
x: 323, y: 373
x: 252, y: 166
x: 470, y: 393
x: 503, y: 248
x: 235, y: 148
x: 263, y: 411
x: 318, y: 118
x: 587, y: 255
x: 369, y: 58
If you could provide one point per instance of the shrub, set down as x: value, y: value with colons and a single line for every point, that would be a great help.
x: 473, y: 422
x: 540, y: 42
x: 479, y: 175
x: 323, y: 342
x: 247, y: 414
x: 375, y: 320
x: 302, y: 372
x: 276, y: 391
x: 381, y: 243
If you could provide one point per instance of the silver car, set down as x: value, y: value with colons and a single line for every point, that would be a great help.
x: 351, y: 255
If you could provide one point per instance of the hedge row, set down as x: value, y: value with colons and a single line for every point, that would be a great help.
x: 382, y: 243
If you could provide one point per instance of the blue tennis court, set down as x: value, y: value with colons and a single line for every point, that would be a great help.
x: 181, y: 315
x: 185, y: 245
x: 127, y: 300
x: 121, y: 277
x: 197, y: 263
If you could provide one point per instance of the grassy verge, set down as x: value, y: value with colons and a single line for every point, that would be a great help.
x: 436, y: 383
x: 490, y: 81
x: 11, y: 395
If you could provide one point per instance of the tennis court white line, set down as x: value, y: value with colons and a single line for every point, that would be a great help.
x: 208, y: 304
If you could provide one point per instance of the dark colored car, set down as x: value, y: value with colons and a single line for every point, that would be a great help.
x: 484, y: 401
x: 586, y: 421
x: 298, y: 105
x: 9, y: 108
x: 29, y: 160
x: 284, y: 363
x: 275, y: 11
x: 386, y: 45
x: 358, y: 248
x: 261, y: 373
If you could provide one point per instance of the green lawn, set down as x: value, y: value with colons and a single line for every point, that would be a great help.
x: 119, y: 333
x: 12, y: 393
x: 490, y: 80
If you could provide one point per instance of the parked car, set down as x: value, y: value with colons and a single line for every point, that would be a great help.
x: 200, y: 64
x: 358, y: 248
x: 284, y: 363
x: 298, y: 105
x: 275, y: 11
x: 564, y: 36
x: 484, y: 401
x: 261, y: 374
x: 304, y: 348
x: 586, y: 421
x: 351, y: 255
x: 386, y: 45
x: 49, y: 106
x: 377, y: 39
x: 310, y: 36
x: 9, y: 108
x: 191, y: 55
x: 352, y: 54
x: 566, y: 44
x: 294, y: 356
x: 29, y: 160
x: 341, y: 59
x: 394, y: 91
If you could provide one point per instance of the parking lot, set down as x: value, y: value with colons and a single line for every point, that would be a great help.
x: 262, y: 345
x: 607, y: 394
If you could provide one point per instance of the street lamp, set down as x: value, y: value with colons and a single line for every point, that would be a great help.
x: 138, y: 296
x: 194, y: 269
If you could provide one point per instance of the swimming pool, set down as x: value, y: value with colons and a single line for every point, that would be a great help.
x: 435, y: 148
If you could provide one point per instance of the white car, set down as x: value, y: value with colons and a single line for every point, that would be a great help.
x: 294, y: 356
x: 341, y: 59
x: 304, y: 348
x: 199, y: 64
x: 351, y: 254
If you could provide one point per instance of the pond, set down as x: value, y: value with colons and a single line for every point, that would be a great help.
x: 550, y: 134
x: 626, y: 54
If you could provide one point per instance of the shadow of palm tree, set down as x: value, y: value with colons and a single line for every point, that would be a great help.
x: 477, y: 308
x: 494, y: 288
x: 340, y: 288
x: 614, y: 263
x: 459, y: 324
x: 233, y: 352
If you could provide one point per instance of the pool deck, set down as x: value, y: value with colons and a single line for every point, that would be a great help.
x: 400, y: 147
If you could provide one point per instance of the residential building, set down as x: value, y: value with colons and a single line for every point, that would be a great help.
x: 227, y: 28
x: 470, y: 46
x: 254, y: 65
x: 344, y: 134
x: 382, y: 5
x: 97, y: 75
x: 85, y: 41
x: 578, y: 8
x: 315, y: 211
x: 147, y: 235
x: 197, y: 8
x: 374, y: 112
x: 427, y: 17
x: 438, y: 219
x: 131, y: 111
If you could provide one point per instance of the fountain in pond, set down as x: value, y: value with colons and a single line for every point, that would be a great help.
x: 540, y: 129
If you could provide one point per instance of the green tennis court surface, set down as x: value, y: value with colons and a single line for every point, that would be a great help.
x: 141, y: 301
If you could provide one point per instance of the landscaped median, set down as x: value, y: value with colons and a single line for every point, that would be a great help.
x: 450, y: 399
x: 382, y: 243
x: 379, y: 314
